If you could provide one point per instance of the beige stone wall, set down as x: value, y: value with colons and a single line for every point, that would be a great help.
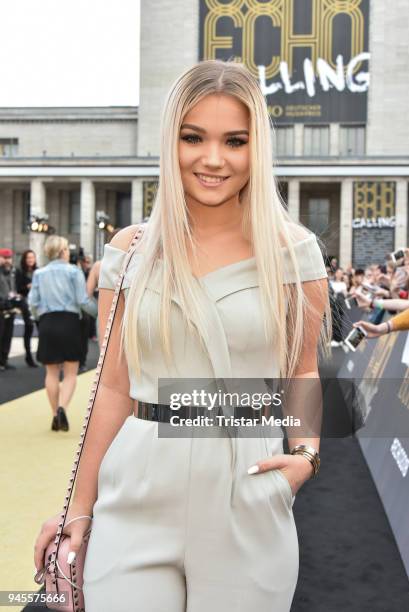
x: 67, y: 139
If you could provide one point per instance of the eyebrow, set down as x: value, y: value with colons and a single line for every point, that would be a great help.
x: 199, y: 129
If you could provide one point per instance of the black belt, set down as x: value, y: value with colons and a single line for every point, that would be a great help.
x: 162, y: 413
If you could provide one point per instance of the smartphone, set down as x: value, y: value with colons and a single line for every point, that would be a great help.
x: 355, y: 336
x: 397, y: 255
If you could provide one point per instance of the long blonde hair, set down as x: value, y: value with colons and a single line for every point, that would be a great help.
x: 266, y: 223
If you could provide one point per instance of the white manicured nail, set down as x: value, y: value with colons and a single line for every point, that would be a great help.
x: 71, y: 557
x: 253, y: 469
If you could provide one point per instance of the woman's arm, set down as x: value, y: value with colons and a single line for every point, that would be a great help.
x: 398, y: 323
x: 112, y: 403
x: 305, y: 398
x: 92, y: 280
x: 86, y: 303
x: 395, y: 304
x: 401, y: 321
x: 112, y: 406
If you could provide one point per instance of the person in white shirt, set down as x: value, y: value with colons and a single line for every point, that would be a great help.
x: 338, y: 284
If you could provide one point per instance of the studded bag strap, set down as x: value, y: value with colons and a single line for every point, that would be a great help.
x: 91, y: 401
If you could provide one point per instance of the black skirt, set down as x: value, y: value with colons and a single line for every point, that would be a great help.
x: 59, y: 337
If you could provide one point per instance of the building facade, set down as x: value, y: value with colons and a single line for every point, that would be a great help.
x: 335, y: 80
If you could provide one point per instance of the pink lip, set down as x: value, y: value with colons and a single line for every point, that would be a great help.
x: 211, y: 185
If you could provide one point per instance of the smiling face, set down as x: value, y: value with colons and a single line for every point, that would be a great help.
x: 214, y: 154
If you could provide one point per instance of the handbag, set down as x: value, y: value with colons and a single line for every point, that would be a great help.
x: 63, y: 582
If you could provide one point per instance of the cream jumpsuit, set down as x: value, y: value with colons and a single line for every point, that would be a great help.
x: 179, y: 525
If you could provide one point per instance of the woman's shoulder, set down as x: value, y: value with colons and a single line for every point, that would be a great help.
x: 296, y: 233
x: 308, y: 252
x: 114, y: 255
x: 124, y: 237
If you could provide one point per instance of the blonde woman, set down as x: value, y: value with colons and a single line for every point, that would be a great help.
x: 56, y: 298
x: 200, y: 523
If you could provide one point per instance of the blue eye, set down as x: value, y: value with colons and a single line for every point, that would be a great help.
x: 190, y: 137
x: 238, y: 142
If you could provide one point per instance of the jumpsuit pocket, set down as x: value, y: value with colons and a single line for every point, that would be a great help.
x: 129, y: 450
x: 286, y: 487
x: 280, y: 479
x: 121, y: 474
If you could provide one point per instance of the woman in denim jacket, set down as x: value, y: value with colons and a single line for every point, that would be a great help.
x: 57, y: 296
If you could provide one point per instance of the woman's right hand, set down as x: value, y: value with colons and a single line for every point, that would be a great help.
x: 372, y: 330
x: 76, y: 530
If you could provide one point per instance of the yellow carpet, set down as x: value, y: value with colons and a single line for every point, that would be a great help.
x: 35, y: 468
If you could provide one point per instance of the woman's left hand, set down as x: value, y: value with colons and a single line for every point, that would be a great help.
x: 296, y: 468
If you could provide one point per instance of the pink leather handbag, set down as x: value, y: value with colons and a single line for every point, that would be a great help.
x: 64, y: 582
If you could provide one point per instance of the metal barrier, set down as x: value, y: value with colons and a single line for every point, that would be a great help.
x: 380, y: 369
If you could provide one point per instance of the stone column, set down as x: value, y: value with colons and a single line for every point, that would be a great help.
x: 294, y: 199
x: 401, y: 214
x: 137, y: 201
x: 38, y: 208
x: 345, y: 227
x: 6, y: 207
x: 88, y: 220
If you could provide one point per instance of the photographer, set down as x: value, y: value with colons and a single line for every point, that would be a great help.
x: 24, y: 277
x: 9, y: 302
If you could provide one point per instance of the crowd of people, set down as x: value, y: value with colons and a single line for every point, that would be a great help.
x: 375, y: 289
